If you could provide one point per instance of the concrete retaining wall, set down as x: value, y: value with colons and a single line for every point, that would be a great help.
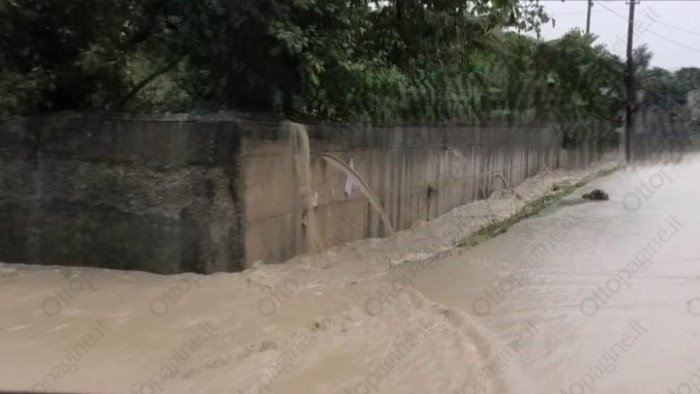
x: 157, y: 195
x: 182, y: 193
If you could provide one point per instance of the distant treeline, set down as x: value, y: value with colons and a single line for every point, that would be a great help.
x: 353, y: 60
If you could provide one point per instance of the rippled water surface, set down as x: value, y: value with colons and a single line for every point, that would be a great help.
x: 611, y: 288
x: 584, y: 297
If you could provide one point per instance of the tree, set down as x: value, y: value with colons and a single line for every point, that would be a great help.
x: 61, y: 55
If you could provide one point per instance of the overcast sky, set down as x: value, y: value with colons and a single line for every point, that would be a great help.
x: 671, y: 29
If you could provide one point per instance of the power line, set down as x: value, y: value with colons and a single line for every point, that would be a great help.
x: 580, y: 12
x: 672, y: 41
x: 678, y: 28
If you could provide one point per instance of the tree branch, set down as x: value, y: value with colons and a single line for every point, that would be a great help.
x: 148, y: 80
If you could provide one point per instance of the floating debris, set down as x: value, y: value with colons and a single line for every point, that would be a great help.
x: 596, y: 195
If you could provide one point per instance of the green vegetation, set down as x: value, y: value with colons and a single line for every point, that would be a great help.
x: 531, y: 208
x: 379, y: 61
x: 498, y: 227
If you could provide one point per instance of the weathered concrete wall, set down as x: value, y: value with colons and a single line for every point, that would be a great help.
x: 662, y: 131
x: 205, y: 194
x: 418, y: 173
x: 150, y: 194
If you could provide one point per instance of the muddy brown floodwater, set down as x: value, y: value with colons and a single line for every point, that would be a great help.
x: 584, y: 297
x: 611, y: 290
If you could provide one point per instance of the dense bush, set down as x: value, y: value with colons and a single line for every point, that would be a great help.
x: 370, y: 60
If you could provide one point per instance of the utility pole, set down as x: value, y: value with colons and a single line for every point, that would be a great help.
x: 588, y: 18
x: 631, y: 96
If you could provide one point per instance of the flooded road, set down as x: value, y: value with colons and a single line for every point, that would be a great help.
x: 584, y: 297
x: 611, y: 290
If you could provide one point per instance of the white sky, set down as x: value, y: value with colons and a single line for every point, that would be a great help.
x: 670, y: 28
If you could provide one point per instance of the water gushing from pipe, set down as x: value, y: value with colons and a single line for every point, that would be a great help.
x: 373, y: 200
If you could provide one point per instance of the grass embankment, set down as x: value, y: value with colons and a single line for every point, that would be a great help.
x: 498, y: 227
